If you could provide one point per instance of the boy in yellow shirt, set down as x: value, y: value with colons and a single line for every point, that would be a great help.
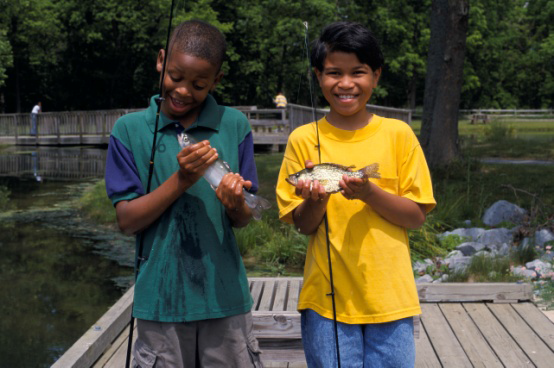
x: 375, y: 291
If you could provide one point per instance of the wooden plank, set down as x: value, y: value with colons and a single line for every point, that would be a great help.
x: 538, y: 321
x: 527, y: 339
x: 425, y: 355
x: 500, y: 341
x: 281, y: 295
x: 447, y: 347
x: 474, y: 344
x: 473, y: 292
x: 95, y: 341
x: 267, y: 295
x: 117, y: 352
x: 277, y: 325
x: 120, y: 356
x: 256, y: 292
x: 294, y: 292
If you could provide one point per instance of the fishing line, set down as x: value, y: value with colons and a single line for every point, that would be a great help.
x: 139, y: 257
x: 332, y: 293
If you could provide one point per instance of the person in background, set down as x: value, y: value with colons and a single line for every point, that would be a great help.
x: 36, y: 109
x: 280, y: 101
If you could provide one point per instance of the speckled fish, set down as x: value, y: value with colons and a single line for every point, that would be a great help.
x: 329, y: 175
x: 218, y: 170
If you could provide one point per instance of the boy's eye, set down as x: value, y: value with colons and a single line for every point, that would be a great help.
x: 199, y: 87
x: 174, y: 79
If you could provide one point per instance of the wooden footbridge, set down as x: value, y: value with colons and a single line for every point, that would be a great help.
x: 462, y: 325
x: 269, y: 126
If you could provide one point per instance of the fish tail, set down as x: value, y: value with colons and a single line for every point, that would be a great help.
x: 371, y: 171
x: 257, y: 204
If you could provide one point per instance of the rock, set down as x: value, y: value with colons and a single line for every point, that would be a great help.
x: 522, y: 271
x: 459, y: 264
x: 503, y: 211
x: 495, y: 236
x: 543, y: 236
x: 424, y: 279
x: 471, y: 234
x: 470, y: 248
x: 540, y: 267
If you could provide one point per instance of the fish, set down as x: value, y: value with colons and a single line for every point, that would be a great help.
x: 329, y: 175
x: 218, y: 170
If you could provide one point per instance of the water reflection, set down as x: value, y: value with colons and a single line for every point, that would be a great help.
x: 53, y: 163
x: 57, y: 272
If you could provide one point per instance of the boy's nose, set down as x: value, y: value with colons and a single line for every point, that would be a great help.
x: 183, y: 90
x: 346, y: 82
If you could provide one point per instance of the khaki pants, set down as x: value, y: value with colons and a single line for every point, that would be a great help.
x: 222, y: 342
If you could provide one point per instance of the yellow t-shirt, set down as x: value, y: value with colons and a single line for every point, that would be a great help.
x: 280, y: 101
x: 372, y: 270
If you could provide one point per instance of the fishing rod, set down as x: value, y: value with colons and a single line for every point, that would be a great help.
x: 325, y: 221
x: 159, y: 101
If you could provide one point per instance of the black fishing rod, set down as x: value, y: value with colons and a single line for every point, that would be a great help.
x: 139, y: 257
x: 325, y: 221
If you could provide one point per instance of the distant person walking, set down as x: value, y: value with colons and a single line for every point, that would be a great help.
x: 280, y: 101
x: 36, y: 109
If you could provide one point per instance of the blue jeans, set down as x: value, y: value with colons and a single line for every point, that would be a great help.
x: 388, y: 344
x: 33, y: 124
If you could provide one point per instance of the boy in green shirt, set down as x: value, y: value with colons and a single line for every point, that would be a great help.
x: 192, y: 301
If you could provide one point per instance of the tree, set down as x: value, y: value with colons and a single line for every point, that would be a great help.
x: 439, y: 129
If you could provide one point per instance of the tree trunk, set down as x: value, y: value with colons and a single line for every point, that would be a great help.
x: 443, y: 83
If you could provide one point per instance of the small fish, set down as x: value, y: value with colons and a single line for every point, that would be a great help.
x: 329, y: 175
x: 218, y: 170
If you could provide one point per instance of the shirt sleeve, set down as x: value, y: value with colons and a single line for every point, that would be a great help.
x: 415, y: 178
x: 122, y: 177
x: 247, y: 165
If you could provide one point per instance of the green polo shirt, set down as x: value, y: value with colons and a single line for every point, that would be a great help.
x: 192, y: 268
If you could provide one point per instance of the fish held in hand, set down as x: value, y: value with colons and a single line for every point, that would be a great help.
x: 218, y: 170
x: 328, y: 175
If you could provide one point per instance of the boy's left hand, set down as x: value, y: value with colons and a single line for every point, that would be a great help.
x: 355, y: 188
x: 230, y: 192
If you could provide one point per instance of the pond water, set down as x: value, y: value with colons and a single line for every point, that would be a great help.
x: 58, y: 273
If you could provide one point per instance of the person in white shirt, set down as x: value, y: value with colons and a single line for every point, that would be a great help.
x: 36, y: 109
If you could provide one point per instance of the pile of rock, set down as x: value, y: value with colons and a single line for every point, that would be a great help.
x: 496, y: 242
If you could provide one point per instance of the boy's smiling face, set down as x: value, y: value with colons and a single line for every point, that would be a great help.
x: 347, y: 85
x: 187, y: 82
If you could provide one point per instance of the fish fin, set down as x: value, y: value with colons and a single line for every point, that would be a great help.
x: 371, y: 171
x: 290, y: 181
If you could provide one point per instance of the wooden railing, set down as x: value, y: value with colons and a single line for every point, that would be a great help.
x: 269, y: 126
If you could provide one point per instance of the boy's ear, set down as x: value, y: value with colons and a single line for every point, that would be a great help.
x: 377, y: 75
x: 317, y: 74
x: 160, y: 60
x: 217, y: 79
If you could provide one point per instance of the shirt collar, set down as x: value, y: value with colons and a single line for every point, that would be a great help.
x: 210, y: 116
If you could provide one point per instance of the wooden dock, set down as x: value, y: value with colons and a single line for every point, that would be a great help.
x: 462, y: 325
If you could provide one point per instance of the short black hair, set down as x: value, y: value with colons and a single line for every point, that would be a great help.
x: 348, y: 37
x: 199, y: 39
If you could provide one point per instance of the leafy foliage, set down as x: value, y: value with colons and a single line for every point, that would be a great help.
x: 101, y: 54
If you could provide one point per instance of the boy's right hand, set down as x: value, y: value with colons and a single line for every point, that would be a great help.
x: 194, y: 160
x: 311, y: 190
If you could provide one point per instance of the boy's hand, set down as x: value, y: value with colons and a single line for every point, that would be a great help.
x: 229, y: 191
x: 311, y: 190
x: 355, y: 188
x: 194, y: 160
